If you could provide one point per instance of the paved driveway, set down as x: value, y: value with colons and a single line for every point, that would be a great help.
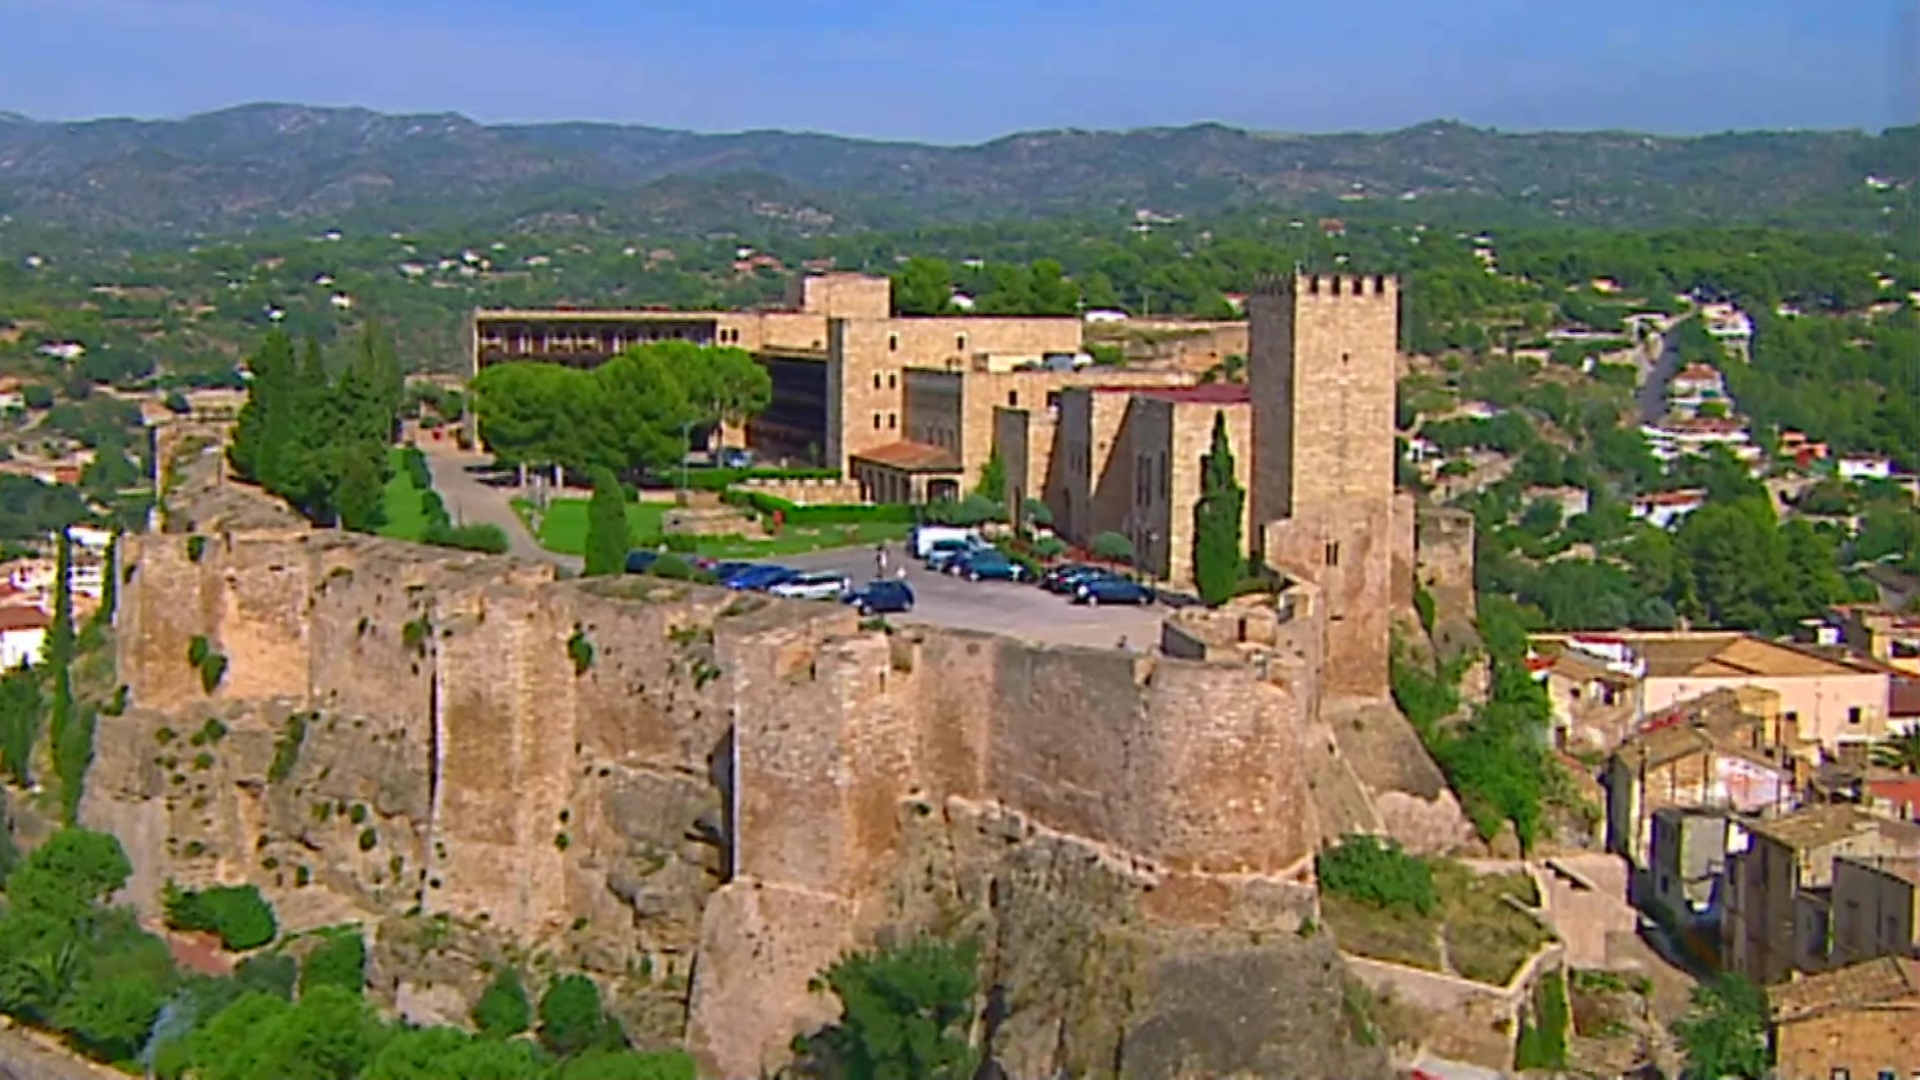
x: 474, y: 495
x: 997, y: 606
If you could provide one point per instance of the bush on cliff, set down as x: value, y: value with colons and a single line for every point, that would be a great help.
x: 903, y: 1012
x: 502, y: 1010
x: 237, y: 914
x: 1377, y: 873
x: 340, y: 961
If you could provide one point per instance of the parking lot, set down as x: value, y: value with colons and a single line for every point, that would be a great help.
x: 1023, y: 610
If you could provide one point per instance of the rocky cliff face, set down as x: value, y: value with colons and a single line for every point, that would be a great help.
x: 704, y: 799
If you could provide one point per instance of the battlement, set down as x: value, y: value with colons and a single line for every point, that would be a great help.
x: 1329, y: 286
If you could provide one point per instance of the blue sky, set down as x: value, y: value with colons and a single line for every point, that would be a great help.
x: 968, y: 70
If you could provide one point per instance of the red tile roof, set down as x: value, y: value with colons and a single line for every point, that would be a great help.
x: 1903, y: 697
x: 912, y: 457
x: 24, y: 618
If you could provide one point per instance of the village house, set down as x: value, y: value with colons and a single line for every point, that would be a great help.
x: 1572, y: 501
x: 1890, y: 637
x: 1694, y: 386
x: 23, y: 635
x: 1876, y: 907
x: 1831, y: 705
x: 1857, y: 1023
x: 1720, y: 751
x: 1680, y: 436
x: 1664, y: 509
x: 1863, y: 468
x: 1684, y: 885
x: 1778, y: 918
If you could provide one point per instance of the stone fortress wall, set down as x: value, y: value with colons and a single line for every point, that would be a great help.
x: 704, y: 797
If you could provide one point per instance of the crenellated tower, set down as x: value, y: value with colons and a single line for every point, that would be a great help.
x: 1323, y: 356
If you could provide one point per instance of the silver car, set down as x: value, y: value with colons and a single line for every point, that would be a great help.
x: 816, y: 586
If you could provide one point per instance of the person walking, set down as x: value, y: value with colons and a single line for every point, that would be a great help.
x: 880, y: 559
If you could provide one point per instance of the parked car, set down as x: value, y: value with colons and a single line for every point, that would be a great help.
x: 727, y: 568
x: 942, y: 555
x: 882, y: 596
x: 1065, y: 579
x: 923, y: 538
x: 759, y: 576
x: 639, y: 562
x: 733, y: 457
x: 1112, y: 589
x: 989, y: 564
x: 815, y: 586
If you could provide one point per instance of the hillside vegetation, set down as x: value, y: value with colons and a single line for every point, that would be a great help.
x: 261, y: 165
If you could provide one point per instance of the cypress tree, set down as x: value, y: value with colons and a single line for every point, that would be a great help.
x: 606, y: 526
x: 1217, y: 554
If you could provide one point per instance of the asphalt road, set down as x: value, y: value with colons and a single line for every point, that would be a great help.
x: 1000, y: 607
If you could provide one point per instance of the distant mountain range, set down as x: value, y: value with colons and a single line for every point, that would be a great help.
x: 265, y: 166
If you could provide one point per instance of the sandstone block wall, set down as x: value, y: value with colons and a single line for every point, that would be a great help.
x: 630, y: 774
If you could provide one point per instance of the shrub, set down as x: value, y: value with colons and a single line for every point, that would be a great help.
x: 675, y: 568
x: 1383, y: 875
x: 571, y: 1019
x: 1113, y: 547
x: 503, y: 1011
x: 237, y: 914
x: 196, y: 547
x: 340, y: 961
x: 796, y: 514
x: 286, y: 748
x: 580, y: 651
x: 484, y: 538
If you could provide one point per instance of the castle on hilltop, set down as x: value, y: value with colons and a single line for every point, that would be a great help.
x: 702, y: 799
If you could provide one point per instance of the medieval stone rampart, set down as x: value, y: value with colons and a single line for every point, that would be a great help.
x: 633, y: 773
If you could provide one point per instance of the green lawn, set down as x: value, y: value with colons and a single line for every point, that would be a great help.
x: 401, y: 502
x: 563, y: 529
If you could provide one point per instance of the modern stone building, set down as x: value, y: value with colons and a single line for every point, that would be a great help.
x: 840, y: 363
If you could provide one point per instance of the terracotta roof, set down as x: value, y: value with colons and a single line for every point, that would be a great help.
x: 1889, y: 982
x: 1725, y: 655
x: 1903, y: 696
x: 16, y: 617
x: 913, y: 457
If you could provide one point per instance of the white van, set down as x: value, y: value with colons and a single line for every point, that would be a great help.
x: 923, y: 537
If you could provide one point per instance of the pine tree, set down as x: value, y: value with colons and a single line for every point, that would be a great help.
x: 262, y: 429
x: 606, y: 526
x: 1217, y: 554
x: 359, y: 494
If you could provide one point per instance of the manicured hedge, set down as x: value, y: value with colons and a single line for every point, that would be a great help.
x: 715, y: 479
x: 795, y: 514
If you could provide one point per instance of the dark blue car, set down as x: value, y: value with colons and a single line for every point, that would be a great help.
x: 881, y: 597
x: 639, y: 562
x: 1112, y: 590
x: 758, y: 576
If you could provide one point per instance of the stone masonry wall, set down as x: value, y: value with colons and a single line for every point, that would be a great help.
x: 629, y: 774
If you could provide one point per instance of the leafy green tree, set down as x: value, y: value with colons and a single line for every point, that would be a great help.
x: 63, y: 877
x: 923, y: 286
x: 1218, y: 555
x: 571, y: 1018
x: 1052, y: 292
x: 1900, y: 751
x: 607, y: 535
x: 268, y: 972
x: 22, y: 707
x: 722, y: 384
x: 993, y: 477
x: 1724, y: 1033
x: 237, y: 914
x: 1113, y: 547
x: 340, y: 962
x: 502, y: 1010
x: 904, y: 1012
x: 642, y: 413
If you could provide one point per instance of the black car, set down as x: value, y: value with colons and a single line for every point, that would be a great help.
x: 881, y: 597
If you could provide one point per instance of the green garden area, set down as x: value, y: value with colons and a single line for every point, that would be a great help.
x: 563, y: 529
x: 1434, y: 914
